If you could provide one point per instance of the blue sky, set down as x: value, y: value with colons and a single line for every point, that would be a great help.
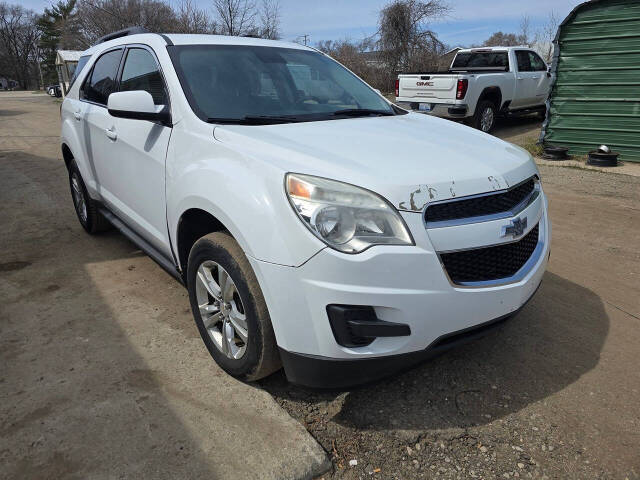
x: 470, y: 21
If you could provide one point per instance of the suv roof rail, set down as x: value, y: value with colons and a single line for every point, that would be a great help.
x: 122, y: 33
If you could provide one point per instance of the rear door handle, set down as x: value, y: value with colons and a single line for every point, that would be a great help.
x: 77, y: 115
x: 111, y: 133
x: 535, y: 78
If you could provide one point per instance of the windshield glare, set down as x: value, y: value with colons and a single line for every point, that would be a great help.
x: 236, y: 81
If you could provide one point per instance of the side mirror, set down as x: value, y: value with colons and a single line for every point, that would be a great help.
x: 137, y: 105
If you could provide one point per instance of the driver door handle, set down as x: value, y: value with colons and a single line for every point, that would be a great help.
x: 77, y: 115
x: 111, y: 133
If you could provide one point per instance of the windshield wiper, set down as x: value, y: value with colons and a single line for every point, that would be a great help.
x: 255, y: 120
x: 362, y: 112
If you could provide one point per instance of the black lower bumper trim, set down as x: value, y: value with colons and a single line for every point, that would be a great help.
x: 333, y: 373
x: 457, y: 111
x: 357, y: 326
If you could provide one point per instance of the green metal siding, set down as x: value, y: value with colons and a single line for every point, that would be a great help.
x: 596, y: 95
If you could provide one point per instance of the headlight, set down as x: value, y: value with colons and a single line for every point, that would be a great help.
x: 347, y: 218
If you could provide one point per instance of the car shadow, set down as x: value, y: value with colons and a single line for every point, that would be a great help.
x: 549, y: 345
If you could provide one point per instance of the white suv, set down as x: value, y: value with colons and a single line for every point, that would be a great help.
x: 315, y: 225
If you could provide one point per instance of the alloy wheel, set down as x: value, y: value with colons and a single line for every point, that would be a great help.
x: 487, y: 119
x: 78, y: 198
x: 221, y: 309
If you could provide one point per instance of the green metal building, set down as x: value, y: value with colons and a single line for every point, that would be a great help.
x: 595, y: 98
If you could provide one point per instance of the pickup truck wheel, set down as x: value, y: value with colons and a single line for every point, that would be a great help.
x: 229, y: 308
x: 484, y: 117
x: 86, y: 208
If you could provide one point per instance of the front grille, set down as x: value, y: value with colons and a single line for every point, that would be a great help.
x: 479, y: 206
x: 491, y: 263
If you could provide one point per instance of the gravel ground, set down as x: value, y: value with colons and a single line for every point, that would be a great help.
x: 553, y: 394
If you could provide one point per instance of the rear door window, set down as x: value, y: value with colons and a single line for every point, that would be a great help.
x: 102, y: 80
x: 524, y: 62
x: 141, y: 72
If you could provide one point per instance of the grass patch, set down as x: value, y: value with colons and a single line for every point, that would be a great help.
x: 533, y: 148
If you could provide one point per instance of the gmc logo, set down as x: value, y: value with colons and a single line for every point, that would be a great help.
x: 424, y: 84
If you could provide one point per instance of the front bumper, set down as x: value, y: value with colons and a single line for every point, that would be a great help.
x: 405, y: 285
x: 321, y: 372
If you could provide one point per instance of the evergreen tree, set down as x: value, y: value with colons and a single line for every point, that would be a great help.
x: 58, y: 31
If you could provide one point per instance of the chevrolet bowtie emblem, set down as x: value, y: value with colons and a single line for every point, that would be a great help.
x: 515, y: 228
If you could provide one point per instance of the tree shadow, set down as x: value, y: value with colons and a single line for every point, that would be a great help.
x: 73, y: 404
x: 549, y: 345
x: 11, y: 113
x: 103, y: 374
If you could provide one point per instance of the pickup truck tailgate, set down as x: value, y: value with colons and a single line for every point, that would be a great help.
x: 432, y: 88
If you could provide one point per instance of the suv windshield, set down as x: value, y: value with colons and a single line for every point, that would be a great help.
x: 255, y: 85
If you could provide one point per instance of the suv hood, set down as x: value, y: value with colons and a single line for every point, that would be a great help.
x: 409, y: 159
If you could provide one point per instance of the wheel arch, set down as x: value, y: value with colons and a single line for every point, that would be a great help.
x: 493, y: 94
x: 67, y: 155
x: 194, y: 223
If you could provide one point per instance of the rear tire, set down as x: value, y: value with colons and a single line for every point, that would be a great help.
x: 484, y: 118
x: 86, y: 208
x: 229, y: 308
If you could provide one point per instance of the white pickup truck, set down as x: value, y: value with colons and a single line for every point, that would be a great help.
x: 480, y: 84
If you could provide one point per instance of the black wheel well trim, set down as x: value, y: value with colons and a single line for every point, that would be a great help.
x: 194, y: 223
x: 491, y: 93
x: 67, y: 155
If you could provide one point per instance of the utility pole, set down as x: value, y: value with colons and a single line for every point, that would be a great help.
x: 305, y: 38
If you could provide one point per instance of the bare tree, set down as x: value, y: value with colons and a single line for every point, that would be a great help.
x: 524, y: 37
x: 405, y: 41
x: 501, y: 39
x: 351, y: 54
x: 19, y: 36
x: 100, y: 17
x: 236, y: 17
x: 269, y: 16
x: 546, y: 35
x: 191, y: 19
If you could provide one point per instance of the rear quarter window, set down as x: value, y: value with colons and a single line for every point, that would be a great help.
x: 82, y: 62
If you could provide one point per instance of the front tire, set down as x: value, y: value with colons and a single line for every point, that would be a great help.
x: 484, y: 118
x: 229, y: 308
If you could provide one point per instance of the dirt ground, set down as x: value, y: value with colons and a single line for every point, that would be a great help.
x: 103, y: 374
x: 125, y: 385
x: 555, y: 393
